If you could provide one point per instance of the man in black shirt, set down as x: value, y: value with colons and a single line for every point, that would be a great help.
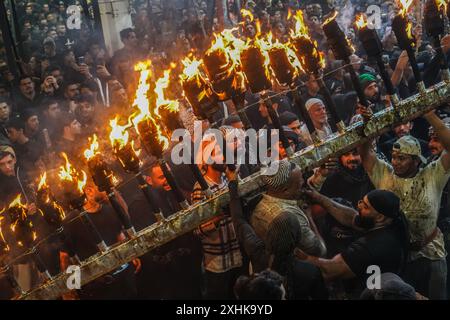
x: 385, y: 242
x: 119, y: 284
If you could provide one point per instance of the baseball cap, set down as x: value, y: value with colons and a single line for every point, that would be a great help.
x: 410, y: 146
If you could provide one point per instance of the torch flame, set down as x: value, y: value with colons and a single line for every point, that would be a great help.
x: 442, y: 5
x: 361, y: 21
x: 404, y: 6
x: 70, y: 174
x: 247, y: 14
x: 93, y: 148
x: 6, y: 248
x: 42, y: 181
x: 142, y: 102
x: 330, y: 18
x: 409, y: 31
x: 300, y: 28
x: 161, y: 101
x: 82, y: 183
x: 119, y: 135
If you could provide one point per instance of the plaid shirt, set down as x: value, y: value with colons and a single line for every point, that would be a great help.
x: 220, y: 246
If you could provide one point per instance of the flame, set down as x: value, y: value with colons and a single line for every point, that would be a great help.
x: 2, y: 237
x: 82, y: 183
x: 137, y: 152
x: 161, y: 101
x: 142, y: 103
x: 300, y: 28
x: 247, y: 14
x: 330, y: 18
x: 93, y: 148
x: 119, y: 135
x: 409, y: 31
x: 22, y: 216
x: 361, y: 21
x: 301, y: 31
x: 404, y: 6
x: 191, y: 71
x: 42, y: 181
x: 442, y: 5
x: 70, y: 174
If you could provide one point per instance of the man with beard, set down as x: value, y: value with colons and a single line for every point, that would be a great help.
x: 419, y: 189
x: 372, y: 91
x: 281, y: 206
x: 222, y: 258
x: 349, y: 181
x: 385, y: 241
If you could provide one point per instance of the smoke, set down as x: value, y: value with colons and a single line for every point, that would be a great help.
x: 346, y: 16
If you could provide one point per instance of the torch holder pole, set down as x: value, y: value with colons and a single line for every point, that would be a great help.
x: 146, y: 190
x: 356, y: 84
x: 331, y: 106
x: 86, y: 220
x: 67, y: 244
x: 173, y: 184
x: 415, y: 68
x: 122, y: 215
x: 239, y: 102
x: 277, y: 124
x: 40, y: 263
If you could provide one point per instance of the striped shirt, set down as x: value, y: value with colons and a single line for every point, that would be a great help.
x: 220, y: 246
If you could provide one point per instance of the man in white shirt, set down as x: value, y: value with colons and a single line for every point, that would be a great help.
x: 419, y: 188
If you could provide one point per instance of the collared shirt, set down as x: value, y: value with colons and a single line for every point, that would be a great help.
x: 221, y: 250
x: 265, y: 222
x: 420, y: 198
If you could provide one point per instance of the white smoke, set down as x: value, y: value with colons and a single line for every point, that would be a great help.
x: 345, y: 17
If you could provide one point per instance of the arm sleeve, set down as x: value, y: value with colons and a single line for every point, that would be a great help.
x: 253, y: 246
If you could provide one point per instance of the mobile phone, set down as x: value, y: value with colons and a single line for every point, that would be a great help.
x: 80, y: 60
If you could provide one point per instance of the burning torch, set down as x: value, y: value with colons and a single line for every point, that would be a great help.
x: 435, y: 28
x: 103, y: 178
x: 373, y: 47
x: 147, y: 125
x: 286, y: 68
x: 73, y: 183
x: 402, y: 28
x: 53, y: 214
x: 168, y: 110
x: 342, y: 50
x: 222, y: 64
x: 23, y: 229
x: 129, y: 160
x: 6, y: 269
x: 313, y: 62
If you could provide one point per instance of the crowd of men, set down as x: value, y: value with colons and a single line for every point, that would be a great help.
x: 309, y: 235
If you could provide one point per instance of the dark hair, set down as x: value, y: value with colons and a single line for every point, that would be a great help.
x: 4, y: 99
x: 89, y: 84
x: 47, y: 102
x: 66, y: 119
x: 259, y: 286
x: 23, y: 77
x: 15, y: 123
x: 125, y: 33
x: 287, y: 117
x: 231, y: 119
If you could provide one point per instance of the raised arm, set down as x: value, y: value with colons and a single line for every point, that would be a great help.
x: 443, y: 134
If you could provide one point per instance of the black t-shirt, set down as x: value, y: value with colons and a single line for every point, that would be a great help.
x: 107, y: 224
x: 381, y: 247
